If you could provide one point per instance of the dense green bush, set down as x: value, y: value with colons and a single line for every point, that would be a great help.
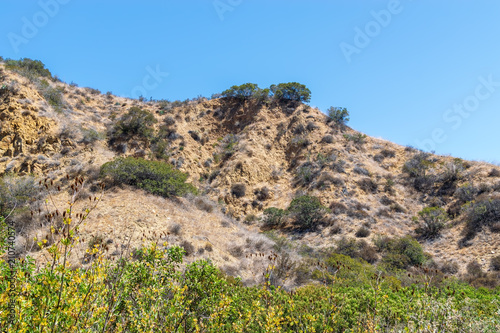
x: 246, y: 91
x: 136, y: 122
x: 274, y: 217
x: 432, y: 221
x: 409, y: 247
x: 400, y: 253
x: 291, y: 91
x: 153, y: 176
x: 340, y: 116
x: 307, y: 212
x: 29, y: 68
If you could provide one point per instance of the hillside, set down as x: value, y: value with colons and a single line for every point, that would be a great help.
x: 244, y: 157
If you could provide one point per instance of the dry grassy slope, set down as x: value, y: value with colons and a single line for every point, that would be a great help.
x: 35, y: 138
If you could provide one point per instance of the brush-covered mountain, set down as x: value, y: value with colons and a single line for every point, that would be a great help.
x: 232, y: 177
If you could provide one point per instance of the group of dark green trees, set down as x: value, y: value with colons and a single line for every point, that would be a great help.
x: 283, y: 92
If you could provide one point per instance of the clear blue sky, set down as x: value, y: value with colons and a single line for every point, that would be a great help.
x: 424, y: 73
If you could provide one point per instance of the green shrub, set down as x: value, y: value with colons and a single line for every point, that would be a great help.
x: 347, y: 247
x: 160, y: 149
x: 155, y: 177
x: 409, y: 247
x: 395, y: 261
x: 340, y: 116
x: 357, y: 138
x: 400, y: 253
x: 485, y: 212
x: 356, y: 249
x: 136, y: 122
x: 291, y: 91
x: 245, y: 92
x: 466, y: 192
x: 351, y: 270
x: 273, y: 217
x: 307, y: 211
x: 433, y: 220
x: 305, y: 174
x: 417, y: 168
x: 32, y: 69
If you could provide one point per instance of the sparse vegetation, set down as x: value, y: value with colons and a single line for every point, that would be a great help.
x: 357, y: 138
x: 136, y: 122
x: 481, y: 213
x: 362, y: 232
x: 367, y: 185
x: 432, y: 221
x: 417, y: 168
x: 16, y: 192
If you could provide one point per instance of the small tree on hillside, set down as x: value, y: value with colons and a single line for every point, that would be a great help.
x: 338, y: 115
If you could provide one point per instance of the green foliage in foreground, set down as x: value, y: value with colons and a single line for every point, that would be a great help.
x: 153, y: 294
x: 155, y: 177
